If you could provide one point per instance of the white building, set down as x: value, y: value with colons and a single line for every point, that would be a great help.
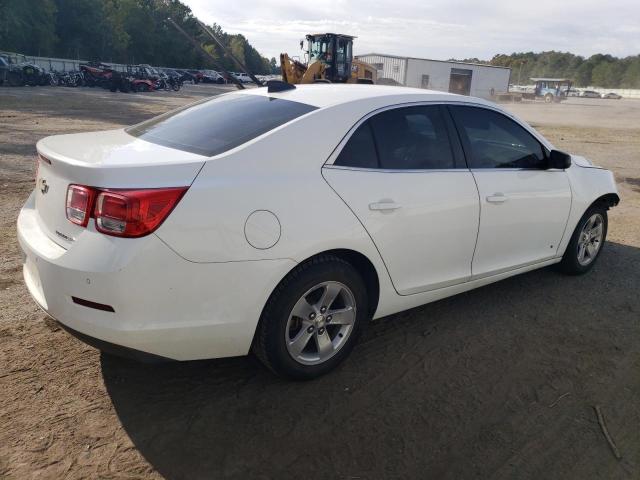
x: 473, y: 79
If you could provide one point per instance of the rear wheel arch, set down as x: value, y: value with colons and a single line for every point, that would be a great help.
x: 367, y: 271
x: 359, y: 262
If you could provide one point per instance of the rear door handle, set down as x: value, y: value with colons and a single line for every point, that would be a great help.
x: 497, y: 198
x: 384, y: 205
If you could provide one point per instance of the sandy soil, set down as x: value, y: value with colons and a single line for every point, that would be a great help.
x: 496, y: 383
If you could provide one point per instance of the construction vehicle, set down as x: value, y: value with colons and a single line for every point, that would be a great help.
x: 329, y: 60
x: 549, y: 89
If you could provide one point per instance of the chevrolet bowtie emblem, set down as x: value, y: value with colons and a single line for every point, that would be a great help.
x: 44, y: 188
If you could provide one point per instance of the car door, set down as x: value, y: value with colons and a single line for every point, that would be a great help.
x: 524, y: 206
x: 402, y: 172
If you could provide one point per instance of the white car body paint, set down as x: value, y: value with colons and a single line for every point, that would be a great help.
x: 195, y: 288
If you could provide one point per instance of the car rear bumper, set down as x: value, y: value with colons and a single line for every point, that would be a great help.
x: 139, y: 294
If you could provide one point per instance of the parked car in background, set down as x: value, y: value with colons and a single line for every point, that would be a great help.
x: 197, y: 75
x: 611, y: 95
x: 5, y: 68
x: 572, y: 92
x: 177, y: 237
x: 243, y: 77
x: 590, y: 94
x: 211, y: 76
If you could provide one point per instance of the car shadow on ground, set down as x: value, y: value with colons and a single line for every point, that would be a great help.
x: 497, y: 382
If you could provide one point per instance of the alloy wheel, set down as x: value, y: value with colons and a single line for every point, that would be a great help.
x: 590, y: 239
x: 320, y: 323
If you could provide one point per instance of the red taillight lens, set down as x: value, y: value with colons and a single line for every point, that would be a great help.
x: 79, y: 204
x: 134, y: 213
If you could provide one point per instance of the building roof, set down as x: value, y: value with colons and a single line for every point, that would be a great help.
x: 544, y: 79
x: 329, y: 33
x: 431, y: 60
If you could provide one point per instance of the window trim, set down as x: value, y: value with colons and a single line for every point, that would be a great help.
x: 456, y: 152
x: 546, y: 150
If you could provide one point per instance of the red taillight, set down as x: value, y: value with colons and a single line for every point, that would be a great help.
x: 79, y: 204
x: 134, y: 213
x: 122, y: 213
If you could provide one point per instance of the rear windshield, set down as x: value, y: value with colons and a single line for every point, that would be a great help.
x: 216, y: 125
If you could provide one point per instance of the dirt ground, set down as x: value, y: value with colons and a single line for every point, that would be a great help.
x: 497, y: 383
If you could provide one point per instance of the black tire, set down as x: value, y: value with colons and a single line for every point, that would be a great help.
x: 548, y: 98
x: 269, y: 343
x: 15, y: 79
x: 125, y: 86
x: 570, y: 264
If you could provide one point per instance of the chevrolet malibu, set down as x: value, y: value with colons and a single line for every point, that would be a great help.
x: 280, y: 220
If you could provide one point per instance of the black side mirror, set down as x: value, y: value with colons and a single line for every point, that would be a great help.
x: 558, y: 159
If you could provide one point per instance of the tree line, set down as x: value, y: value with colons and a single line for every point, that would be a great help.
x: 118, y: 31
x: 598, y: 70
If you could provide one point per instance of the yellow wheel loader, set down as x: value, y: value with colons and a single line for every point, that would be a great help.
x: 330, y: 60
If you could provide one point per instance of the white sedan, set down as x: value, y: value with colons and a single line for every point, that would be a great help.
x: 282, y: 219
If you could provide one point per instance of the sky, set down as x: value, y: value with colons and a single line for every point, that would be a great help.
x: 437, y: 29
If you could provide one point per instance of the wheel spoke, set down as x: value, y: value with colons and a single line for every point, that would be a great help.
x: 308, y: 320
x: 596, y: 232
x: 591, y: 250
x: 296, y: 346
x: 302, y: 309
x: 329, y: 295
x: 581, y: 252
x: 323, y: 342
x: 343, y: 316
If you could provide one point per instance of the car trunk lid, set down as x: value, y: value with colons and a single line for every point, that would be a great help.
x: 111, y: 160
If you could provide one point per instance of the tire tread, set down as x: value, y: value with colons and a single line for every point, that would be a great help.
x: 259, y: 346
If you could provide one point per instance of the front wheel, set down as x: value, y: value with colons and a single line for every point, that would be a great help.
x: 313, y: 319
x: 586, y: 242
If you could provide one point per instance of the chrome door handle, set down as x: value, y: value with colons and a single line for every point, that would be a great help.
x: 497, y: 198
x: 384, y: 205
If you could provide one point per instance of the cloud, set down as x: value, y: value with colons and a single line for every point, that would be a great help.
x: 440, y: 29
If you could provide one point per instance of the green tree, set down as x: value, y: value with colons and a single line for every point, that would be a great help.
x: 28, y: 26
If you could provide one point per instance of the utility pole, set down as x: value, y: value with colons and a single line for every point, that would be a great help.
x: 229, y: 53
x: 522, y: 62
x: 211, y: 57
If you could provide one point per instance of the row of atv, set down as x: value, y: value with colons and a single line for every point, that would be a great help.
x: 137, y: 78
x: 16, y: 71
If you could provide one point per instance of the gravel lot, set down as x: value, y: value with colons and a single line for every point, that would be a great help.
x: 498, y: 383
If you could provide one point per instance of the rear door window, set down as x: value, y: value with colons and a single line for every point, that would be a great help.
x: 216, y: 125
x: 413, y: 138
x: 408, y: 138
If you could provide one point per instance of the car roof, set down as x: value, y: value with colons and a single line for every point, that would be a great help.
x: 325, y: 95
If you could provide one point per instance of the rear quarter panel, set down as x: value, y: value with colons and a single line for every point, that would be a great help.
x: 281, y: 173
